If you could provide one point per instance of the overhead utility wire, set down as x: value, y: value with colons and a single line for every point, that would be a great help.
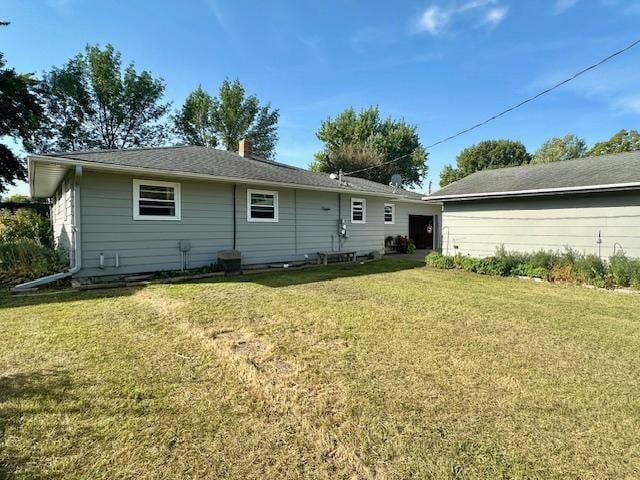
x: 511, y: 109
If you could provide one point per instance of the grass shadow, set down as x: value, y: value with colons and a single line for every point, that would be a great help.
x: 276, y: 278
x: 13, y: 301
x: 22, y: 395
x: 285, y: 278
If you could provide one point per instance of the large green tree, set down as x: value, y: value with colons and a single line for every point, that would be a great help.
x: 194, y: 122
x: 20, y: 115
x: 93, y: 102
x: 558, y: 149
x: 623, y: 141
x: 228, y: 118
x: 353, y: 141
x: 485, y: 155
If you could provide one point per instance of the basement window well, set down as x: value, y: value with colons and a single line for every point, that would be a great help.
x: 155, y: 200
x: 262, y: 206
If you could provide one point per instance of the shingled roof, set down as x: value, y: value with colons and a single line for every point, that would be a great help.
x: 223, y: 164
x: 601, y: 173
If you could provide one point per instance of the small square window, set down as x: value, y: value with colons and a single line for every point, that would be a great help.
x: 389, y: 213
x: 358, y: 210
x: 262, y: 206
x: 154, y: 200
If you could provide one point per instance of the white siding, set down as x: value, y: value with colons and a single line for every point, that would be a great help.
x: 548, y: 223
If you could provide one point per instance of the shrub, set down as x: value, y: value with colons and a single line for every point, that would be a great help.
x: 492, y: 266
x: 542, y: 259
x: 26, y: 259
x: 530, y: 270
x: 411, y: 247
x: 437, y: 260
x: 590, y: 269
x: 467, y: 264
x: 624, y: 271
x: 569, y: 266
x: 25, y: 224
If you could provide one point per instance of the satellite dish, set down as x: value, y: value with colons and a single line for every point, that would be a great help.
x: 396, y: 180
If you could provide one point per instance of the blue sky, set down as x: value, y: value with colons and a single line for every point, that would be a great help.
x: 442, y: 65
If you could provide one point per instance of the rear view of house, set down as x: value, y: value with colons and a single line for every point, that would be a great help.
x: 145, y: 210
x: 591, y: 205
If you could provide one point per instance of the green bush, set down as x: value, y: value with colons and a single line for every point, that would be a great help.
x: 437, y: 260
x: 25, y: 224
x: 467, y: 264
x: 26, y: 259
x: 590, y: 269
x: 529, y: 270
x: 624, y: 271
x: 568, y: 266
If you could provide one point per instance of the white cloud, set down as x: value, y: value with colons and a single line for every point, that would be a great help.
x: 495, y: 15
x: 562, y: 6
x: 630, y: 104
x: 62, y: 6
x: 436, y: 20
x: 215, y: 8
x: 473, y: 4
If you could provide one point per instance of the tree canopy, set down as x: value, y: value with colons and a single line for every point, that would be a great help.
x: 20, y: 115
x: 623, y: 141
x: 93, y: 102
x: 558, y: 149
x: 353, y: 141
x: 485, y: 155
x: 227, y: 119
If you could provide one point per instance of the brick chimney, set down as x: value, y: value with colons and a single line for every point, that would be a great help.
x: 244, y: 148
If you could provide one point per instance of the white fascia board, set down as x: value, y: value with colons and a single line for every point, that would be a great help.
x: 539, y: 191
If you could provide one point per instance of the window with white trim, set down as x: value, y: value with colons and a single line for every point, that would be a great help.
x: 155, y: 200
x: 358, y: 210
x: 389, y: 213
x: 262, y: 206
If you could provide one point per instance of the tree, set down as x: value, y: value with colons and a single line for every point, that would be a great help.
x: 227, y: 119
x: 485, y: 155
x: 194, y: 122
x: 349, y: 158
x: 623, y: 141
x: 92, y: 102
x: 373, y: 142
x: 20, y: 115
x: 17, y: 198
x: 558, y: 149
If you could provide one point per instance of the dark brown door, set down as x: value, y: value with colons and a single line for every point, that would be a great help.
x: 421, y: 231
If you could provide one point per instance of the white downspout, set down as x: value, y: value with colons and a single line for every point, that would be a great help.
x: 77, y: 246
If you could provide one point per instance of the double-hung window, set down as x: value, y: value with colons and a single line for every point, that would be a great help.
x: 262, y: 206
x: 389, y: 213
x: 155, y: 200
x: 358, y: 210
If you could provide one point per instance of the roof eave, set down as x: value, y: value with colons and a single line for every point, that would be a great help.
x: 534, y: 192
x: 202, y: 176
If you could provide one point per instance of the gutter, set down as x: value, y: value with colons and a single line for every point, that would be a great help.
x: 202, y: 176
x: 533, y: 192
x: 77, y: 248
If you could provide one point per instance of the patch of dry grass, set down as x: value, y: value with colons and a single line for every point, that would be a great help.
x: 374, y: 371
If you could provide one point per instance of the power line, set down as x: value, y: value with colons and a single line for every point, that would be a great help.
x: 514, y: 107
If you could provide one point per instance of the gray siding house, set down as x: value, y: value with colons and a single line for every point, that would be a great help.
x: 129, y: 211
x: 591, y: 205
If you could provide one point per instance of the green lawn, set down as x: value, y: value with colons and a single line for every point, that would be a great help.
x: 374, y: 371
